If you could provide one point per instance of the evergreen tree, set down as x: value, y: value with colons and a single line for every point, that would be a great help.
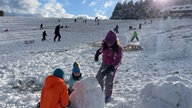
x: 142, y: 8
x: 1, y: 13
x: 116, y: 12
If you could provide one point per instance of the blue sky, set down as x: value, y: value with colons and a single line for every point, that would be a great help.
x: 60, y: 8
x: 90, y: 7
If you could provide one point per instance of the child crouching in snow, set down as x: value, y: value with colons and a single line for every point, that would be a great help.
x: 75, y: 76
x: 55, y: 92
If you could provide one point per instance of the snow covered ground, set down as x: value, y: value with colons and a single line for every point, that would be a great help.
x: 160, y: 76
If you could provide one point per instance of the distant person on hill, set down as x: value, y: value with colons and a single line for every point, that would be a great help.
x: 96, y: 18
x: 57, y: 32
x: 98, y: 21
x: 111, y: 52
x: 54, y: 93
x: 75, y: 20
x: 75, y: 76
x: 44, y: 36
x: 134, y: 36
x: 139, y: 26
x: 6, y: 30
x: 130, y: 28
x: 85, y: 21
x: 116, y: 29
x: 41, y: 26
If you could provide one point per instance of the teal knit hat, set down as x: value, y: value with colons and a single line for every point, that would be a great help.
x: 76, y: 68
x: 59, y: 73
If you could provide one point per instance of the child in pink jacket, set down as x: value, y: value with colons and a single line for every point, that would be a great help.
x: 111, y: 52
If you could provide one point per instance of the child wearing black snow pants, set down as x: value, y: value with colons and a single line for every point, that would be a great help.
x: 116, y: 29
x: 44, y: 36
x: 57, y: 33
x: 134, y: 36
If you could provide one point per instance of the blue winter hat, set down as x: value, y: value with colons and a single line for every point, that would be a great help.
x: 76, y: 68
x: 59, y: 73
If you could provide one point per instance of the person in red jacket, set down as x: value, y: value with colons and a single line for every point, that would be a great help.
x: 111, y: 58
x: 55, y: 92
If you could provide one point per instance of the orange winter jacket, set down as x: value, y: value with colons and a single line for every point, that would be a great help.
x: 54, y: 93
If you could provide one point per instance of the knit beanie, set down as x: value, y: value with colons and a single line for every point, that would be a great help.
x: 76, y: 68
x: 110, y: 38
x: 59, y: 73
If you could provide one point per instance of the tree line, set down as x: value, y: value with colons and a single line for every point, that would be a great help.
x: 1, y: 13
x: 143, y: 9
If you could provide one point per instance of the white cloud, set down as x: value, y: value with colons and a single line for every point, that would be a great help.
x: 109, y: 3
x: 84, y: 1
x: 122, y: 1
x: 92, y: 3
x: 67, y: 1
x: 100, y: 14
x: 34, y: 8
x: 84, y: 16
x: 54, y: 9
x: 20, y: 6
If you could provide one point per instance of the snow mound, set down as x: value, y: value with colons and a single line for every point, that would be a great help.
x: 174, y: 40
x: 173, y: 92
x: 87, y: 94
x: 168, y: 49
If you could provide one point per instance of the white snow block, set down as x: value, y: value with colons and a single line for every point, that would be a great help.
x: 87, y: 94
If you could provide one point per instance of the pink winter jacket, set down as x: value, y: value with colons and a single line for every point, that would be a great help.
x: 109, y: 57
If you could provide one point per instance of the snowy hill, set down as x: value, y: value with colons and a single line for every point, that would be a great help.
x: 163, y: 65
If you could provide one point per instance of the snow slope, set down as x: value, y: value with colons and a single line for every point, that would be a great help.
x: 145, y: 79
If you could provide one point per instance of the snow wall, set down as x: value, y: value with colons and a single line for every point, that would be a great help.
x: 171, y: 92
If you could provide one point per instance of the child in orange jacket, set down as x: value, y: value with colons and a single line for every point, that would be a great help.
x: 55, y: 92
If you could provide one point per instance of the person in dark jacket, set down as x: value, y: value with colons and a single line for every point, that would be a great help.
x: 41, y: 26
x: 57, y: 33
x: 44, y: 36
x: 116, y: 29
x: 139, y: 26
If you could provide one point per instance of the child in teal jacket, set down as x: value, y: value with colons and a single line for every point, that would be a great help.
x: 75, y: 76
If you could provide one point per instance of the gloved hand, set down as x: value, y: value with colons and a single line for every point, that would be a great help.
x: 109, y: 69
x: 97, y: 55
x: 69, y: 104
x: 38, y: 105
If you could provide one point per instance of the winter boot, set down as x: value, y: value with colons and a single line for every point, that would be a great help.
x: 107, y: 99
